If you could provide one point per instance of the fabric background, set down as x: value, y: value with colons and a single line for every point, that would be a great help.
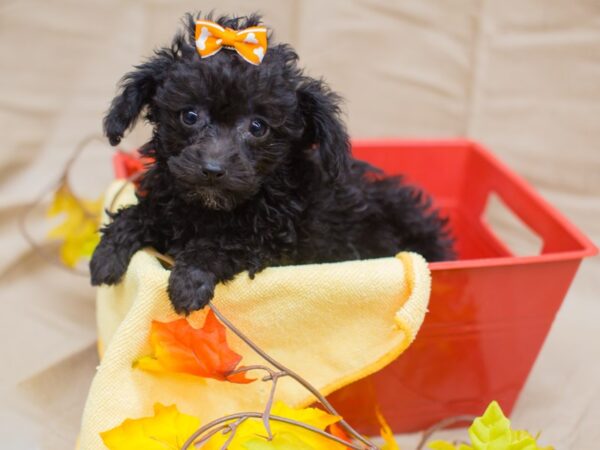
x: 521, y: 76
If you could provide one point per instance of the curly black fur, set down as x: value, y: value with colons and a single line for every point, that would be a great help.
x: 221, y: 200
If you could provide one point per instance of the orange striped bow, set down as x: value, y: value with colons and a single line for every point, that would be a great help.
x: 251, y: 43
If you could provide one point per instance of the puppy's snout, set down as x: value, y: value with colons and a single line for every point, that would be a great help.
x: 213, y: 170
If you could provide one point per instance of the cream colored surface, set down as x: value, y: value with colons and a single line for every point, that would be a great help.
x: 340, y: 323
x: 521, y: 76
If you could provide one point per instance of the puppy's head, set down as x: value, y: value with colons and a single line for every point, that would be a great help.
x: 223, y: 126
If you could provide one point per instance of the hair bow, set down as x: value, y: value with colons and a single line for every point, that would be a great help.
x: 251, y: 43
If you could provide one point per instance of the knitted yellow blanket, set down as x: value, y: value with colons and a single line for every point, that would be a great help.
x: 331, y: 323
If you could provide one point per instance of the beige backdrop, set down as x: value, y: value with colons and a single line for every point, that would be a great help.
x: 523, y: 76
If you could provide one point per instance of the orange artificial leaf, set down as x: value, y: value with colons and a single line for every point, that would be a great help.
x: 338, y: 431
x: 132, y: 163
x: 386, y: 433
x: 177, y: 347
x: 335, y: 429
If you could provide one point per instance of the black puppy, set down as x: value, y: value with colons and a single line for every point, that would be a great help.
x: 252, y: 168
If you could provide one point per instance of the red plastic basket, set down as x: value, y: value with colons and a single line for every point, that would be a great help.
x: 490, y: 311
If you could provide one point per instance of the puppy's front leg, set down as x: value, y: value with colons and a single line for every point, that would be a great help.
x: 120, y: 240
x: 196, y: 272
x: 190, y: 287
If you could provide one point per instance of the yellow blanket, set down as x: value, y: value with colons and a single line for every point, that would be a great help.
x: 331, y: 323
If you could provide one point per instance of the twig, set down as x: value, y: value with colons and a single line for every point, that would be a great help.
x: 203, y: 434
x: 444, y: 423
x: 161, y: 257
x: 268, y: 407
x: 257, y: 415
x: 129, y: 179
x: 232, y: 430
x: 79, y: 149
x: 293, y: 375
x: 267, y: 369
x: 62, y: 180
x: 207, y: 436
x: 37, y: 248
x: 272, y: 376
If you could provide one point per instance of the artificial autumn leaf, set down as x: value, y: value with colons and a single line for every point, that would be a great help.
x: 492, y: 431
x: 79, y: 230
x: 177, y: 347
x: 444, y: 445
x: 168, y: 429
x: 336, y: 430
x: 131, y: 163
x: 523, y: 440
x: 386, y: 433
x: 252, y: 435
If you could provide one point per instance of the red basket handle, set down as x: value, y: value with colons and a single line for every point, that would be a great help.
x: 556, y: 232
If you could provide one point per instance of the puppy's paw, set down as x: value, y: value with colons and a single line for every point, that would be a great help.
x: 107, y: 266
x: 190, y: 288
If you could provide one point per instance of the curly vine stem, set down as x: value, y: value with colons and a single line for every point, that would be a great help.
x: 231, y: 429
x: 129, y: 179
x: 61, y: 180
x: 292, y: 375
x: 272, y: 376
x: 69, y: 164
x: 249, y: 415
x: 442, y: 424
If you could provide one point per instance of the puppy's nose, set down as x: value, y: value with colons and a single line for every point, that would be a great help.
x: 213, y: 170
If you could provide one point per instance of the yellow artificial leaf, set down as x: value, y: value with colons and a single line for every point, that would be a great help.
x: 79, y: 230
x: 445, y: 445
x: 386, y: 433
x: 252, y: 435
x: 168, y: 429
x: 284, y: 440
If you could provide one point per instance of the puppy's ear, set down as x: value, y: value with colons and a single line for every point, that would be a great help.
x: 324, y: 128
x: 137, y: 89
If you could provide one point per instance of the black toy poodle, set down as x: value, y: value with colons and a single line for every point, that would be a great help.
x: 252, y: 168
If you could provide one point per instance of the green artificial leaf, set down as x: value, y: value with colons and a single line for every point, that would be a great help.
x: 492, y: 430
x: 523, y: 440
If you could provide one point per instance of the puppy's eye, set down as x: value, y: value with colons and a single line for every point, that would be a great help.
x: 258, y: 128
x: 189, y: 117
